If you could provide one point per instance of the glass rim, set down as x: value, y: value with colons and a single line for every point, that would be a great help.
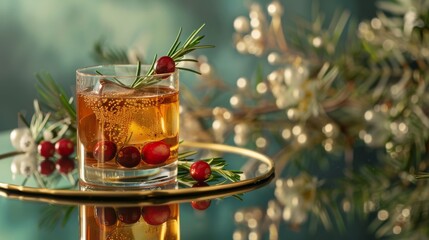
x: 81, y: 71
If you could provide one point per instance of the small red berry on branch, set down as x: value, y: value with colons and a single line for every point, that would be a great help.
x: 165, y: 64
x: 64, y: 147
x: 46, y: 149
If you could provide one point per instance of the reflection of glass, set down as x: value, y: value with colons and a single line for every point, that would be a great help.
x: 126, y: 137
x: 130, y: 222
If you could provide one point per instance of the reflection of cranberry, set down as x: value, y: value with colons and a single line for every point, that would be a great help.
x: 46, y: 167
x: 128, y: 157
x: 129, y: 215
x: 106, y: 215
x: 156, y: 215
x: 155, y: 152
x: 104, y: 151
x: 65, y: 165
x: 200, y: 184
x: 201, y: 204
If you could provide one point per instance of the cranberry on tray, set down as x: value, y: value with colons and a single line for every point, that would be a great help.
x: 200, y: 171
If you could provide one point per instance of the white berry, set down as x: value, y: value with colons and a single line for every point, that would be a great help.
x: 16, y: 136
x: 27, y: 143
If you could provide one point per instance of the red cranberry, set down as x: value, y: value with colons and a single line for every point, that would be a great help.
x: 46, y: 149
x: 106, y: 215
x: 46, y: 167
x: 129, y: 215
x: 200, y: 170
x: 165, y: 64
x: 128, y: 157
x: 65, y: 165
x: 155, y: 152
x: 156, y: 215
x: 104, y: 151
x: 64, y: 147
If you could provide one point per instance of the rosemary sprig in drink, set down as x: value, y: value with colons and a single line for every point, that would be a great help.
x: 168, y: 63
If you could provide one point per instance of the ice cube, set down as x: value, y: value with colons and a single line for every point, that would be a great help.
x: 104, y: 86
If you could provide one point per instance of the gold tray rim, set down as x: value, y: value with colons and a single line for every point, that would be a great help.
x: 67, y: 196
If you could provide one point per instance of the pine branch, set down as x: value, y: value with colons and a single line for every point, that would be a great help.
x: 103, y: 54
x: 53, y: 96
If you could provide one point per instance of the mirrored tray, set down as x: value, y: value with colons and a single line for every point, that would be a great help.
x: 260, y: 174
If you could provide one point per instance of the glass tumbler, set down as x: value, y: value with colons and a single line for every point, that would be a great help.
x: 128, y: 126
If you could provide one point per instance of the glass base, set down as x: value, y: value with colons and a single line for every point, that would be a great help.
x: 150, y: 179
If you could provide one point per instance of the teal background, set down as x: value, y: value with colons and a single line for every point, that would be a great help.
x: 58, y: 37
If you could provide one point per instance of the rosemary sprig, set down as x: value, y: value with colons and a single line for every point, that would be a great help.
x: 177, y: 53
x: 218, y: 166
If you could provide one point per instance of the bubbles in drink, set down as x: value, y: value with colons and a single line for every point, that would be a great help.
x: 128, y: 118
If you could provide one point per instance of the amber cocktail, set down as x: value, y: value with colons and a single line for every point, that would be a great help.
x: 127, y: 137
